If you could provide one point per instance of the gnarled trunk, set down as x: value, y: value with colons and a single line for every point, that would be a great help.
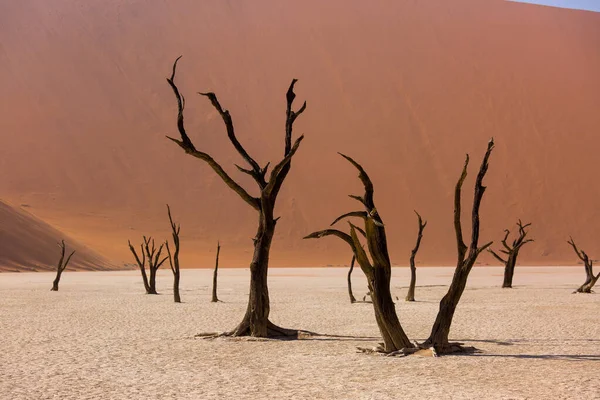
x: 392, y: 333
x: 509, y: 270
x: 438, y: 339
x: 152, y: 282
x: 377, y: 268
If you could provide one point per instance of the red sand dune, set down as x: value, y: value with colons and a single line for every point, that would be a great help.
x: 31, y: 244
x: 405, y: 87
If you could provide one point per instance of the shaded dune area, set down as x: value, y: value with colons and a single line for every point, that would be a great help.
x: 30, y: 244
x: 404, y: 87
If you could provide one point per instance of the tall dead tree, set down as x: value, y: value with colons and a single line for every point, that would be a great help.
x: 590, y: 279
x: 410, y: 296
x: 378, y: 268
x: 152, y: 256
x: 256, y: 320
x: 174, y: 258
x: 512, y: 252
x: 438, y: 338
x: 61, y: 266
x: 215, y: 299
x: 352, y: 299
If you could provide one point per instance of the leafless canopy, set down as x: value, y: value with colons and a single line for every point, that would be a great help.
x: 511, y: 252
x: 256, y: 320
x: 62, y: 265
x: 151, y: 255
x: 590, y: 278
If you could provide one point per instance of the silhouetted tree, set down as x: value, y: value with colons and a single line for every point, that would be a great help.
x: 174, y: 259
x: 352, y: 299
x: 214, y: 287
x: 410, y: 296
x: 512, y: 253
x: 438, y: 338
x: 60, y: 267
x: 378, y: 268
x: 150, y: 254
x: 590, y: 279
x: 256, y: 320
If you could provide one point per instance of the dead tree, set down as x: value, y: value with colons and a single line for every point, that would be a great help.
x: 378, y: 268
x: 215, y: 299
x: 512, y: 252
x: 438, y: 338
x: 590, y: 279
x: 174, y: 258
x: 256, y: 320
x: 352, y: 299
x: 152, y: 255
x: 410, y: 296
x: 61, y: 266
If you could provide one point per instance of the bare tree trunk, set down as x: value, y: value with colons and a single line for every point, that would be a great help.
x: 377, y: 271
x: 352, y: 299
x: 174, y: 259
x: 509, y: 271
x: 152, y: 281
x: 512, y: 252
x: 410, y: 296
x: 60, y: 267
x: 214, y: 288
x: 256, y: 320
x: 590, y: 278
x: 438, y: 339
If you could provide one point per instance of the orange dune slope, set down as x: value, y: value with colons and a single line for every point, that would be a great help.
x: 405, y: 87
x: 28, y: 243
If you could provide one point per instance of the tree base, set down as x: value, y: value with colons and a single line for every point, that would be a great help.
x: 449, y: 348
x: 273, y: 332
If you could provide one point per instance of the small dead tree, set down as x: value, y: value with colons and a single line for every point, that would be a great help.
x: 174, y: 258
x: 152, y: 255
x: 256, y: 320
x: 378, y: 268
x: 512, y: 252
x: 590, y: 279
x: 60, y: 267
x: 438, y: 338
x: 352, y: 299
x: 410, y: 296
x: 215, y: 299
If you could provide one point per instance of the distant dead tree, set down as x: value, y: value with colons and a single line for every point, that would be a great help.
x: 174, y: 259
x: 410, y: 296
x: 214, y: 287
x: 590, y: 279
x: 352, y: 299
x: 512, y: 252
x: 60, y: 267
x: 150, y: 254
x: 378, y: 268
x: 256, y: 320
x: 438, y: 338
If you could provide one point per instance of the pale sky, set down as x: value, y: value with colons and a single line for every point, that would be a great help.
x: 592, y: 5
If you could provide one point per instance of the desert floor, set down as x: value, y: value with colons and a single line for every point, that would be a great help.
x: 100, y: 337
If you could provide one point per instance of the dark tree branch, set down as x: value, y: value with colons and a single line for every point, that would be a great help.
x: 186, y: 144
x: 361, y: 214
x: 460, y: 243
x: 215, y: 299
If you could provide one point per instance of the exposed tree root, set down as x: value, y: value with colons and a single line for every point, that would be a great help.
x: 273, y: 332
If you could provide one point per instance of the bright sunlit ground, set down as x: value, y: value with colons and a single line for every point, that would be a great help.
x: 100, y: 337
